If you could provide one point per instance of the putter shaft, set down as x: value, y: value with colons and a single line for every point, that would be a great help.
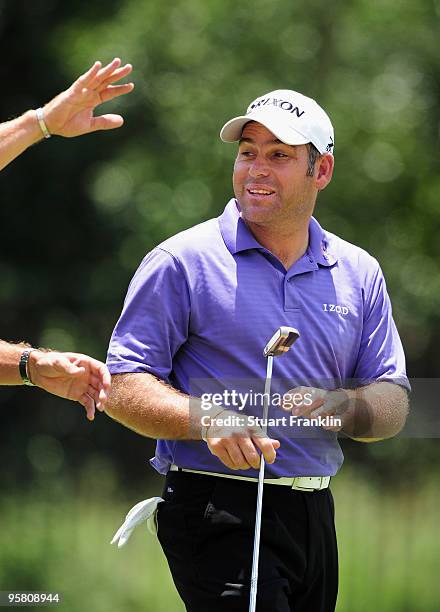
x: 256, y: 552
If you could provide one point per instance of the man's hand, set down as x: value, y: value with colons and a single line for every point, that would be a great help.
x: 311, y: 402
x: 71, y: 112
x: 367, y: 414
x: 72, y: 376
x: 236, y: 446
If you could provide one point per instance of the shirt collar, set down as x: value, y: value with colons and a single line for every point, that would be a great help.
x: 237, y: 236
x: 319, y: 245
x: 235, y: 232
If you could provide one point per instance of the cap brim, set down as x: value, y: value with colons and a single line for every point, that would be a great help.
x: 232, y: 130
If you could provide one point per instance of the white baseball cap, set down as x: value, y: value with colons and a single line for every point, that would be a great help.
x: 293, y: 118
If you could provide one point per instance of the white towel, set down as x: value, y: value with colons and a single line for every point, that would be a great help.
x: 143, y: 511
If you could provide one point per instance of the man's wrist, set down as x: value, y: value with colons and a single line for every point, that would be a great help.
x: 204, y: 428
x: 23, y: 366
x: 348, y: 409
x: 39, y: 113
x: 28, y: 125
x: 32, y: 366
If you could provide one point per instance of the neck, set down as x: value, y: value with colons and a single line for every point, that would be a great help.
x: 287, y: 245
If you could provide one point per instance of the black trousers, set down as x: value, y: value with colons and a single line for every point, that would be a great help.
x: 206, y: 529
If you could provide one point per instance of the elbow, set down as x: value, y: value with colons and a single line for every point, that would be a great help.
x: 400, y: 412
x: 385, y: 419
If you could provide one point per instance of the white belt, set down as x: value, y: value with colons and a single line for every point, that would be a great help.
x: 299, y: 483
x: 146, y: 510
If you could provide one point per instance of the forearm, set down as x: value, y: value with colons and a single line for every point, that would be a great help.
x: 375, y: 412
x: 9, y: 359
x: 9, y: 363
x: 152, y: 408
x: 17, y: 135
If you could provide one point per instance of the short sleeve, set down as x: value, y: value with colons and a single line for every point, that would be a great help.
x: 381, y: 356
x: 154, y: 320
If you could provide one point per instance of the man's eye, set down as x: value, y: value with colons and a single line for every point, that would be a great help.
x: 246, y: 153
x: 280, y: 155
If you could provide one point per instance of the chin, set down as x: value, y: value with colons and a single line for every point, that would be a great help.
x: 253, y: 214
x: 256, y: 212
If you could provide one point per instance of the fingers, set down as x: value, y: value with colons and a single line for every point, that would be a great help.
x: 94, y: 393
x: 101, y: 373
x: 113, y: 91
x: 99, y: 381
x: 100, y: 392
x: 267, y: 447
x: 87, y: 401
x: 54, y: 365
x: 106, y: 122
x: 325, y: 408
x: 335, y: 406
x: 229, y: 453
x: 221, y: 453
x: 116, y: 75
x: 98, y: 77
x: 85, y: 79
x: 250, y: 453
x: 308, y: 410
x: 240, y: 453
x: 103, y: 386
x: 237, y: 458
x: 91, y: 400
x: 64, y: 366
x: 106, y: 71
x: 101, y: 400
x: 302, y: 401
x: 313, y: 403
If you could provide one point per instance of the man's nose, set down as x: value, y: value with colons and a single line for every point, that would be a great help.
x: 259, y: 168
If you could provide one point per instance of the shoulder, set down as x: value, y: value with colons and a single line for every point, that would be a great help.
x: 192, y: 241
x: 352, y: 257
x: 180, y: 255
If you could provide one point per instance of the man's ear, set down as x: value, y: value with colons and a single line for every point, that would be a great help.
x: 324, y: 170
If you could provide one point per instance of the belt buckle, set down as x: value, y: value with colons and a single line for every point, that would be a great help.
x: 307, y: 489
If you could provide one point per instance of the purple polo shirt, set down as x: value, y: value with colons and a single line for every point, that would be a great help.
x: 203, y: 304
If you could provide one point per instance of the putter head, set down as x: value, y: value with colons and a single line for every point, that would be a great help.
x: 281, y: 341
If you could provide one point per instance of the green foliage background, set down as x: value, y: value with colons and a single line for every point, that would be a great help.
x: 77, y: 217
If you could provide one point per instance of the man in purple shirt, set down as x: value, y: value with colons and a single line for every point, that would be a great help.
x: 197, y: 315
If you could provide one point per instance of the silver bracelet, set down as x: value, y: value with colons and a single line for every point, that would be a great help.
x: 42, y: 123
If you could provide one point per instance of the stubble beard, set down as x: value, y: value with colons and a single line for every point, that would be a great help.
x: 277, y: 218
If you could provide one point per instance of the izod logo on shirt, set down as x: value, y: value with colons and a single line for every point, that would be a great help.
x: 343, y: 310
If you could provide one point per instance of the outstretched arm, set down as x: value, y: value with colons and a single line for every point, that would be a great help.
x: 70, y: 113
x: 69, y: 375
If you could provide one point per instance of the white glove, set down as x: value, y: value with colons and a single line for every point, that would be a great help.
x: 141, y: 512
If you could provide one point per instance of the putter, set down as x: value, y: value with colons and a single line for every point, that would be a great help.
x: 279, y: 344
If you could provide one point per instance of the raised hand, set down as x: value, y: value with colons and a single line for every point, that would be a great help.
x: 70, y: 113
